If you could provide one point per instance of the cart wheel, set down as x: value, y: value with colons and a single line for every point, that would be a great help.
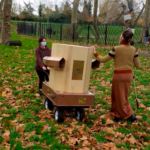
x: 59, y: 115
x: 48, y: 104
x: 79, y: 114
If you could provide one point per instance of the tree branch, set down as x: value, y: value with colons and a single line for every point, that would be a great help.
x: 135, y: 22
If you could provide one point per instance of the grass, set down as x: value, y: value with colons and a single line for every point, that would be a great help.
x: 24, y: 108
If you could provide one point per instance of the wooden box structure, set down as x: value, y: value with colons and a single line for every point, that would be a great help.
x: 69, y: 79
x: 70, y: 75
x: 75, y: 76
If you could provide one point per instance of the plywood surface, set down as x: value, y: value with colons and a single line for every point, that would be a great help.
x: 63, y: 80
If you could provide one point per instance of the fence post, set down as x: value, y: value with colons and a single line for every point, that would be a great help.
x: 40, y: 28
x: 31, y: 28
x: 61, y: 32
x: 35, y: 26
x: 17, y: 27
x: 73, y: 32
x: 88, y: 36
x: 106, y: 34
x: 24, y: 28
x: 50, y: 32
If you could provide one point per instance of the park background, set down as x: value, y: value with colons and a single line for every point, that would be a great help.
x: 24, y: 122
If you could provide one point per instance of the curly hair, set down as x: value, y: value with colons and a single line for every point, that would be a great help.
x: 127, y: 35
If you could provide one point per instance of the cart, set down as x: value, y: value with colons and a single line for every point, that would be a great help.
x: 69, y: 80
x: 66, y: 101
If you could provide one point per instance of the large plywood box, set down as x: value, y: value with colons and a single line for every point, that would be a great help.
x: 75, y: 76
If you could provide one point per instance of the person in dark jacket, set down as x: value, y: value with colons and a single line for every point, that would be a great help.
x: 42, y: 70
x: 146, y: 35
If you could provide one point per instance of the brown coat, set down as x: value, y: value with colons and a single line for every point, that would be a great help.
x: 124, y: 57
x: 40, y: 53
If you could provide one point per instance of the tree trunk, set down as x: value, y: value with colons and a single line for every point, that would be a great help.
x: 135, y: 22
x: 74, y: 18
x: 6, y: 28
x: 145, y: 21
x: 1, y: 9
x: 95, y: 21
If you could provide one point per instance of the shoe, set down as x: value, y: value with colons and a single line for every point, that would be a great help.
x: 41, y: 94
x: 132, y: 118
x: 116, y: 119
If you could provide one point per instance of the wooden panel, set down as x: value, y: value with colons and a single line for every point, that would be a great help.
x: 62, y: 80
x: 58, y: 79
x: 57, y: 63
x: 88, y: 70
x: 77, y: 72
x: 80, y: 53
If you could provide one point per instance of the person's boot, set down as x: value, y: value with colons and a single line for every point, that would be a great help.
x: 41, y: 94
x: 132, y: 118
x: 116, y: 119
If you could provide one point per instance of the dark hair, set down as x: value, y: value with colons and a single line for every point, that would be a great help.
x: 41, y: 39
x: 127, y: 35
x: 131, y: 42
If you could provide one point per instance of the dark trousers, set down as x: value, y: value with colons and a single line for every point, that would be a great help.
x: 42, y: 76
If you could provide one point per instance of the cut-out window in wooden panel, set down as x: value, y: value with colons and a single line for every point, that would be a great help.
x: 78, y: 67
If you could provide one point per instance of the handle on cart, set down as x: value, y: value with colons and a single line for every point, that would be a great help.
x: 46, y: 74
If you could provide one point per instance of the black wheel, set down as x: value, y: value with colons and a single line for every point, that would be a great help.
x: 79, y: 114
x: 48, y: 104
x: 59, y: 115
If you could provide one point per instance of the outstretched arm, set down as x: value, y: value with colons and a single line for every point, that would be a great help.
x: 105, y: 58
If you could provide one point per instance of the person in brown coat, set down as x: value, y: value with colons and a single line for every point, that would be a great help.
x: 124, y: 57
x: 42, y: 70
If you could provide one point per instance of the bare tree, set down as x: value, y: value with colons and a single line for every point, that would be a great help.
x: 14, y: 9
x: 74, y: 17
x: 47, y: 10
x: 112, y: 11
x: 67, y: 10
x: 1, y: 9
x: 138, y: 17
x: 6, y: 28
x: 145, y: 20
x: 97, y: 37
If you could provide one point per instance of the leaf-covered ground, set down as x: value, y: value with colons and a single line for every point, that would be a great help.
x: 26, y: 125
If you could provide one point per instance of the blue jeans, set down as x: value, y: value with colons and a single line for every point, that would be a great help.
x: 146, y: 38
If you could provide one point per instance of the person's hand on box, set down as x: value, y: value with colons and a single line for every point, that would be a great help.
x: 44, y: 68
x: 48, y: 68
x: 94, y: 50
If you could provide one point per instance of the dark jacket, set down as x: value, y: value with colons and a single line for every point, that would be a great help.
x: 146, y: 33
x: 40, y: 53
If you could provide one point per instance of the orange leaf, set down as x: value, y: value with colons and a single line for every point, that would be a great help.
x: 139, y: 117
x: 63, y: 139
x: 20, y: 129
x: 83, y: 138
x: 86, y: 143
x: 46, y: 127
x: 143, y: 106
x: 6, y: 115
x: 110, y: 131
x: 108, y: 122
x: 108, y: 146
x: 109, y: 138
x: 70, y: 130
x: 6, y: 135
x: 4, y: 94
x: 130, y: 139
